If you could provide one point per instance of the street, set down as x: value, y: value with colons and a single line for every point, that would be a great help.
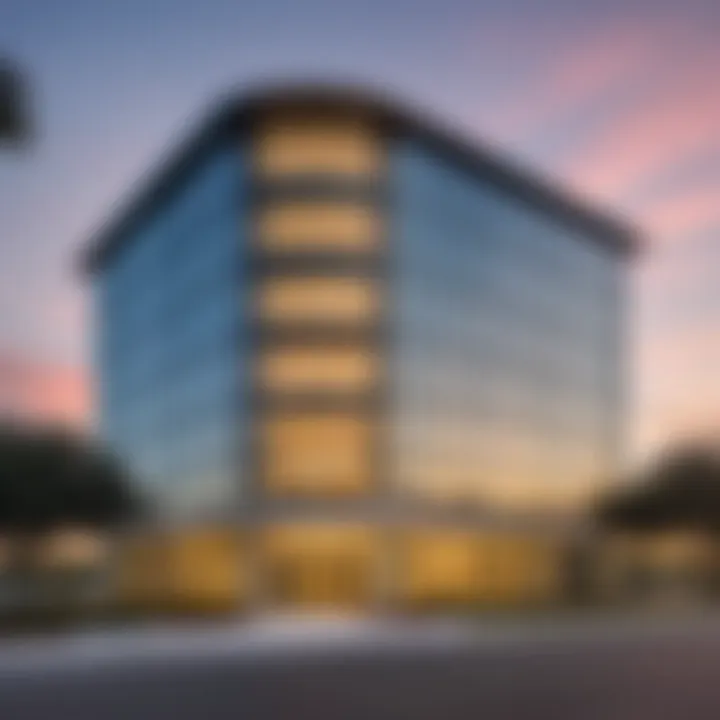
x: 621, y: 669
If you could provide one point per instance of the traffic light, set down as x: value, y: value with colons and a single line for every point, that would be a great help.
x: 13, y: 105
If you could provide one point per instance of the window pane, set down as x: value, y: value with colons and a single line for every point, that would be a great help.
x: 317, y: 453
x: 330, y: 564
x: 318, y: 226
x: 318, y: 300
x: 317, y: 369
x: 289, y: 146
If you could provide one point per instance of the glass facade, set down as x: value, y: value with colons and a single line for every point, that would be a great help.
x: 507, y: 348
x: 171, y: 350
x: 449, y: 566
x: 337, y: 320
x: 319, y: 565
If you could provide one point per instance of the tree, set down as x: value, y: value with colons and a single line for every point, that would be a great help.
x: 13, y: 104
x: 680, y: 492
x: 50, y: 480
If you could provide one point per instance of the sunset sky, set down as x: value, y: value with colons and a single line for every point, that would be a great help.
x: 619, y: 100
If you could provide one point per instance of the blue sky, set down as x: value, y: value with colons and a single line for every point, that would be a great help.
x: 619, y: 100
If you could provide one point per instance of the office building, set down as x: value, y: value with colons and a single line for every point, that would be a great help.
x: 354, y: 359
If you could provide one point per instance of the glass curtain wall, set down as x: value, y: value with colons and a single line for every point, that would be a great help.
x: 508, y: 345
x: 170, y: 343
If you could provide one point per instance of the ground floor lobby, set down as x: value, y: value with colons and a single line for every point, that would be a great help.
x: 345, y: 567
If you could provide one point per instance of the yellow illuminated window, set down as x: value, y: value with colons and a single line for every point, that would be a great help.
x: 207, y: 567
x: 440, y: 565
x: 196, y: 568
x: 289, y: 146
x: 317, y: 368
x: 319, y: 539
x: 331, y: 565
x: 325, y: 453
x: 318, y: 300
x: 318, y: 226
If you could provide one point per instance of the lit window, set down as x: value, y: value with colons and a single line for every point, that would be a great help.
x: 317, y: 369
x: 318, y: 300
x: 313, y: 226
x: 328, y: 565
x: 317, y: 453
x: 440, y: 566
x: 289, y: 147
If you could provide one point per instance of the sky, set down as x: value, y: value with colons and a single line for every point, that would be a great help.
x: 618, y: 100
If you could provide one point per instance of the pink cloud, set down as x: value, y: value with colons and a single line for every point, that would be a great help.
x: 678, y: 119
x: 672, y: 218
x: 674, y: 352
x: 613, y: 58
x: 43, y: 392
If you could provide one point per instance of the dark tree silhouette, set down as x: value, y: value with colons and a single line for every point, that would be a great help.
x: 14, y: 125
x: 681, y: 491
x: 51, y: 480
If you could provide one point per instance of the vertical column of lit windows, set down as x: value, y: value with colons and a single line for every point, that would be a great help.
x: 317, y: 451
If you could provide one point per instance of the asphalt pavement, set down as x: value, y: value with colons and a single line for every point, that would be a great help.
x: 628, y: 668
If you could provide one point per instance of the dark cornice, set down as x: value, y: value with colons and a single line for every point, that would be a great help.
x: 236, y: 112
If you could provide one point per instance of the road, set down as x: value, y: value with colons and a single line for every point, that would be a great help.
x: 622, y: 669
